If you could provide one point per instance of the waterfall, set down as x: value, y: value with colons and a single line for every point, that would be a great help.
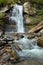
x: 29, y: 46
x: 17, y: 16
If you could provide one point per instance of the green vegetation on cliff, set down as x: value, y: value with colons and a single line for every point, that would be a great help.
x: 37, y: 1
x: 7, y: 2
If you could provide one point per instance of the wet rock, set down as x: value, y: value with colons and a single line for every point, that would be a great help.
x: 21, y: 36
x: 40, y: 41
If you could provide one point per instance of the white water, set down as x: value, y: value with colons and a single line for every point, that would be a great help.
x: 30, y: 49
x: 17, y: 16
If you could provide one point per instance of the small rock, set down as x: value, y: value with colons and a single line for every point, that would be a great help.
x: 40, y: 41
x: 41, y: 31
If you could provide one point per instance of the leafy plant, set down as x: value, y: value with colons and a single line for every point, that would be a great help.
x: 40, y: 12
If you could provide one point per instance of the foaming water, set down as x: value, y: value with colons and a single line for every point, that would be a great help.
x: 29, y: 48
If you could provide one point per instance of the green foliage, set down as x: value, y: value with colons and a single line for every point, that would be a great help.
x: 3, y: 2
x: 6, y: 2
x: 37, y: 19
x: 2, y: 15
x: 40, y: 12
x: 36, y: 1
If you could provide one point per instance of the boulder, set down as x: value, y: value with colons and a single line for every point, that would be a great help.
x: 40, y: 41
x: 28, y: 9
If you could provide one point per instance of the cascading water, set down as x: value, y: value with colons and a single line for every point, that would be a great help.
x: 29, y: 46
x: 17, y: 16
x: 30, y: 49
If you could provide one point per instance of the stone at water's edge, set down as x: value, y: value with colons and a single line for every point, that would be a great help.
x: 40, y: 41
x: 41, y: 31
x: 12, y: 53
x: 17, y: 47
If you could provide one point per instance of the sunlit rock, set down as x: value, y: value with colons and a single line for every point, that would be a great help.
x: 28, y: 9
